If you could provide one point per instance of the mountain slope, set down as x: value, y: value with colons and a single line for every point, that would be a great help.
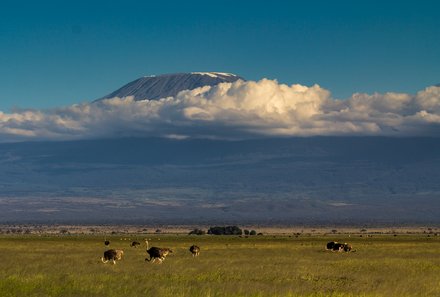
x: 347, y: 180
x: 162, y: 86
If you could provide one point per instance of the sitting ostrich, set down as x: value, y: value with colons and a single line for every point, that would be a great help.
x: 135, y: 244
x: 195, y: 250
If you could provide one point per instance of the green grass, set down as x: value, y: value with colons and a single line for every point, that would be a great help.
x: 227, y: 266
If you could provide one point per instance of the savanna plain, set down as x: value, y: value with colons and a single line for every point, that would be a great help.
x: 263, y: 265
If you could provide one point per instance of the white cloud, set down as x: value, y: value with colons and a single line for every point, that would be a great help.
x: 232, y: 111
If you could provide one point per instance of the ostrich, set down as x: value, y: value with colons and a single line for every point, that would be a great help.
x: 195, y: 250
x: 348, y: 248
x: 330, y: 245
x: 112, y: 255
x: 135, y: 244
x: 338, y: 247
x: 157, y: 253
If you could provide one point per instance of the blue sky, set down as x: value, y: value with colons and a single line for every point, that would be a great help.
x: 56, y: 53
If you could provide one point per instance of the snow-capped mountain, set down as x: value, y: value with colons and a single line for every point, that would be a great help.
x: 166, y: 85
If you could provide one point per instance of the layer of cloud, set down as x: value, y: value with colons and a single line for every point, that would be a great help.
x: 234, y: 111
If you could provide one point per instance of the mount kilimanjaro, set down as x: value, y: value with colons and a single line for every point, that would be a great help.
x: 169, y: 85
x: 286, y: 180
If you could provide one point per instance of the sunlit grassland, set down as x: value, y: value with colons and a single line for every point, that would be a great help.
x: 227, y: 266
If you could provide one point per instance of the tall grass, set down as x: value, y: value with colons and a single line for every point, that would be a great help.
x: 227, y: 266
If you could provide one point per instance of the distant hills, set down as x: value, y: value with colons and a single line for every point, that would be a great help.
x: 162, y: 86
x: 316, y: 180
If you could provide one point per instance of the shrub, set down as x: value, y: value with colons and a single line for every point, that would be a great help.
x: 228, y: 230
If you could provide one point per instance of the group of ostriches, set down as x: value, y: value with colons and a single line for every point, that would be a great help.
x: 339, y: 247
x: 159, y: 254
x: 155, y: 253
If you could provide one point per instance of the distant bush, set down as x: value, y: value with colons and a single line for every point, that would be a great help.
x: 228, y: 230
x: 246, y: 232
x: 253, y: 232
x: 197, y: 232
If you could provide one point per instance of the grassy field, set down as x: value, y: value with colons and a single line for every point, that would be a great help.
x: 405, y: 265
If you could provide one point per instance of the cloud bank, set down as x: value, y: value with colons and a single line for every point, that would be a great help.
x: 234, y: 111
